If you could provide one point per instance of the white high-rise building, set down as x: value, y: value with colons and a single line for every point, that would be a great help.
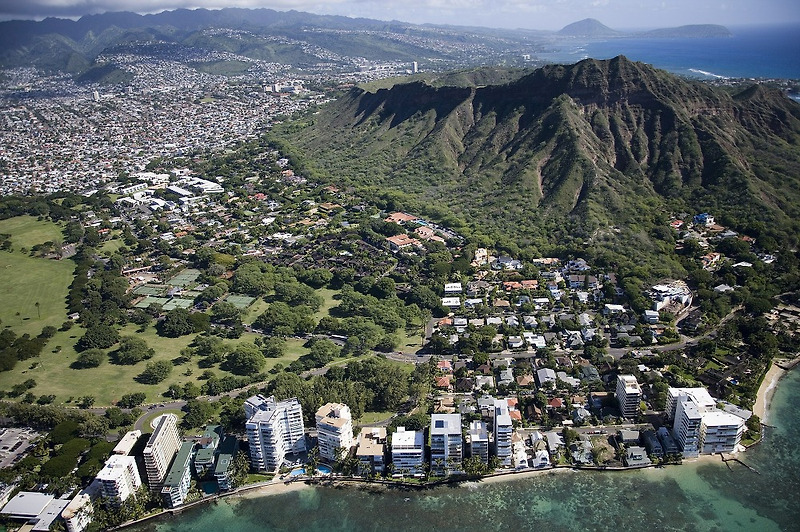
x: 408, y: 447
x: 447, y: 448
x: 629, y: 395
x: 119, y: 478
x: 161, y: 449
x: 479, y: 440
x: 274, y: 429
x: 334, y: 429
x: 503, y: 430
x: 699, y: 426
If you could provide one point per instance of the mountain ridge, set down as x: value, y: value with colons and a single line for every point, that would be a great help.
x: 582, y: 148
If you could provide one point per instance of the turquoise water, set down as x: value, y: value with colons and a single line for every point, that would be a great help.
x: 764, y: 52
x: 323, y: 469
x: 693, y: 496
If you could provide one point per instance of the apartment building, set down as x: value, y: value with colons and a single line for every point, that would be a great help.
x: 161, y: 449
x: 274, y: 429
x: 179, y: 478
x: 629, y: 395
x: 503, y: 431
x: 334, y: 429
x: 699, y: 427
x: 446, y: 443
x: 119, y: 479
x: 479, y: 440
x: 408, y: 452
x: 371, y: 450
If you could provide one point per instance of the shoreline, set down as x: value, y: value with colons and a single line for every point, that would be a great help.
x: 277, y: 487
x: 768, y: 385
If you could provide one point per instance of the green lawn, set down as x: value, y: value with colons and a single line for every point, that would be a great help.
x: 328, y: 304
x: 26, y: 280
x: 370, y: 418
x: 109, y: 382
x: 109, y: 247
x: 27, y: 231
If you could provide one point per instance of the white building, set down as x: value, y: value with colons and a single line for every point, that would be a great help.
x: 334, y: 429
x: 176, y: 484
x: 371, y: 450
x: 629, y: 395
x: 447, y: 448
x: 119, y: 478
x: 408, y: 447
x: 274, y: 429
x: 160, y: 450
x: 479, y: 440
x: 79, y: 512
x: 503, y: 430
x: 699, y: 426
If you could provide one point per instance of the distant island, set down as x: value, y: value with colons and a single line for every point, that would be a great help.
x: 595, y: 29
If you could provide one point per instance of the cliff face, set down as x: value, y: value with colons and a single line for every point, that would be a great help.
x: 592, y: 141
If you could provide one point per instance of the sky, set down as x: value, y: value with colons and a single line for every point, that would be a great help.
x: 532, y: 14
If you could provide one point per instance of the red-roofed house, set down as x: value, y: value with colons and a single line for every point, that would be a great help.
x: 444, y: 382
x: 555, y: 402
x: 402, y: 241
x: 445, y: 366
x: 400, y: 218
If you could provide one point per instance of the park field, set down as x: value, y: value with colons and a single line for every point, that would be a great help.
x: 26, y: 281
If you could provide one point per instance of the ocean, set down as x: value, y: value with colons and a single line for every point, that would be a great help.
x: 752, y: 52
x: 693, y: 496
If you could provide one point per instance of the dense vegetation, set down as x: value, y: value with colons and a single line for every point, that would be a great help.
x: 585, y: 159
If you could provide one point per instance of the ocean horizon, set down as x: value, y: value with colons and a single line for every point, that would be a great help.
x: 697, y: 495
x: 752, y: 52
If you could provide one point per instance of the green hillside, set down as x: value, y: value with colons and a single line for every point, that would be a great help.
x: 585, y: 158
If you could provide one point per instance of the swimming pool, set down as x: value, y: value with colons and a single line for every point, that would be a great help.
x: 321, y: 469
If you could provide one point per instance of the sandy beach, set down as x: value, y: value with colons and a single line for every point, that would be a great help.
x: 765, y: 391
x: 273, y: 488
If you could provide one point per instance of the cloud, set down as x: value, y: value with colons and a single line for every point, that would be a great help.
x: 538, y: 14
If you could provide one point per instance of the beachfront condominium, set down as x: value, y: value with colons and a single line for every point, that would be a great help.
x: 161, y: 449
x: 119, y: 479
x: 371, y: 450
x: 503, y: 430
x: 176, y: 484
x: 408, y: 447
x: 699, y: 427
x: 334, y: 430
x: 447, y: 448
x: 479, y: 440
x: 274, y: 429
x: 629, y: 396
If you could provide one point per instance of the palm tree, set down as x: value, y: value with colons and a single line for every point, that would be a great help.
x: 312, y: 461
x: 598, y: 453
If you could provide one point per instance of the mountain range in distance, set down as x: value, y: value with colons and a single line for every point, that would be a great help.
x: 282, y: 37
